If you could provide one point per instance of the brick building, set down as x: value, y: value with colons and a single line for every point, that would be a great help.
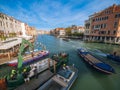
x: 104, y: 26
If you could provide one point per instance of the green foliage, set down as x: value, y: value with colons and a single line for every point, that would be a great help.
x: 68, y: 31
x: 77, y: 34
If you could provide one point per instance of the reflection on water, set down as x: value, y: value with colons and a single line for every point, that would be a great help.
x: 89, y: 78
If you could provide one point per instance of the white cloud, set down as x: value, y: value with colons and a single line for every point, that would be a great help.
x: 51, y: 14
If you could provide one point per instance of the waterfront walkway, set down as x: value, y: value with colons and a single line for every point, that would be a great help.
x: 36, y: 83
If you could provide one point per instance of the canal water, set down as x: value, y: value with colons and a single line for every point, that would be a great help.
x: 89, y: 78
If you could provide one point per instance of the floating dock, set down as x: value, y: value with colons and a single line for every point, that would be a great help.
x: 34, y: 83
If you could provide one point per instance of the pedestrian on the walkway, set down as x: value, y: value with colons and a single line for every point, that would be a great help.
x: 36, y: 72
x: 26, y: 76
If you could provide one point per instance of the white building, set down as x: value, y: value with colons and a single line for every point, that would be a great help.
x: 62, y: 32
x: 23, y: 29
x: 9, y: 24
x: 77, y: 29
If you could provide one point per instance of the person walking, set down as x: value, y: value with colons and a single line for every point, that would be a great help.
x: 26, y: 76
x: 36, y: 72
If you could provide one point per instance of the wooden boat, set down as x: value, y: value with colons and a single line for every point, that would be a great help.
x: 61, y: 58
x: 94, y: 62
x: 29, y: 59
x: 65, y: 39
x: 63, y: 79
x: 113, y: 57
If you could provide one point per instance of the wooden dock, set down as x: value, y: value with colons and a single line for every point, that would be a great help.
x: 36, y: 83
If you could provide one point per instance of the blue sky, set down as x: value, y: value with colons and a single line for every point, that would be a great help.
x: 49, y: 14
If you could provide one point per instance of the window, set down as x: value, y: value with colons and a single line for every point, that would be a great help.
x: 101, y: 25
x: 102, y: 18
x: 114, y: 32
x: 1, y: 23
x: 117, y: 15
x: 104, y: 25
x: 7, y: 24
x: 107, y: 17
x: 115, y: 24
x: 108, y: 32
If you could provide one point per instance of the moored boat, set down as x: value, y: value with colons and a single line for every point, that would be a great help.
x: 65, y: 39
x: 29, y: 59
x: 63, y: 79
x: 61, y: 58
x: 114, y: 57
x: 94, y: 62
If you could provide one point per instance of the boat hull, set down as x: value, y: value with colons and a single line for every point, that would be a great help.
x: 28, y: 61
x: 115, y: 58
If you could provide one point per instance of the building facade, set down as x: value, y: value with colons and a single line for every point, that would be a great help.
x: 31, y: 31
x: 9, y: 26
x: 58, y: 32
x: 104, y: 26
x: 77, y: 29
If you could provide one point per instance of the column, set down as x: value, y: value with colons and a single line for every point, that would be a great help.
x: 115, y: 39
x: 100, y: 38
x: 54, y: 67
x: 105, y: 39
x: 49, y: 63
x: 110, y: 39
x: 9, y: 56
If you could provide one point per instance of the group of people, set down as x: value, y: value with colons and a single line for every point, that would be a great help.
x: 13, y: 74
x: 27, y: 73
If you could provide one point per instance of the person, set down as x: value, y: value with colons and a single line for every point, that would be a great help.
x: 73, y: 65
x: 26, y: 76
x: 64, y: 66
x: 36, y: 72
x: 114, y: 53
x: 13, y: 74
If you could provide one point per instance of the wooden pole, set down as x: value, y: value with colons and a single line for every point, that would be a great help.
x: 49, y: 63
x: 9, y: 56
x: 54, y: 67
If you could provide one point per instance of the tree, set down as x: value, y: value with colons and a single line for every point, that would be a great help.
x: 68, y: 31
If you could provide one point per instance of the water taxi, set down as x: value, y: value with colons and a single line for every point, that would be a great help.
x: 63, y: 79
x: 94, y: 62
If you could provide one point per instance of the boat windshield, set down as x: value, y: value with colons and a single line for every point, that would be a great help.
x: 65, y: 73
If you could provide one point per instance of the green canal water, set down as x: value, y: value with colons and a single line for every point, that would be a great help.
x: 89, y: 78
